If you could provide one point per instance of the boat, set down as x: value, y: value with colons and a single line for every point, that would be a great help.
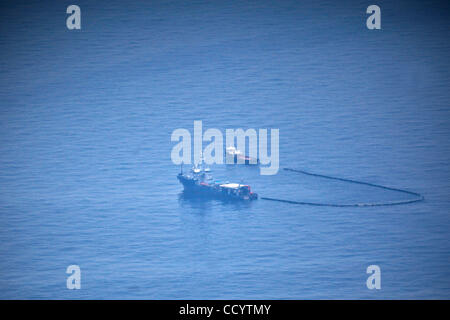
x: 236, y: 156
x: 199, y: 182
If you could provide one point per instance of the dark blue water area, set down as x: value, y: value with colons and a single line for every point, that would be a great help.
x: 86, y: 176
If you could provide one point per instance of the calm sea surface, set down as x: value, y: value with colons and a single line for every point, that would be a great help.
x: 86, y: 176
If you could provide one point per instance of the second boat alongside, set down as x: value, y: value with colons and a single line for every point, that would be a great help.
x: 236, y: 156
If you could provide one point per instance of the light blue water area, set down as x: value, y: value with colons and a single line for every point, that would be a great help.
x: 86, y: 176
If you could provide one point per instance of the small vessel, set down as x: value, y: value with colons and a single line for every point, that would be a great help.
x: 199, y: 182
x: 236, y: 156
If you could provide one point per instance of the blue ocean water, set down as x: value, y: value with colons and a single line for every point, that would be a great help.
x: 86, y: 176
